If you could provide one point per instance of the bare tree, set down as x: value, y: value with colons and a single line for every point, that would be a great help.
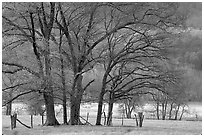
x: 23, y: 27
x: 130, y: 104
x: 139, y: 40
x: 82, y: 27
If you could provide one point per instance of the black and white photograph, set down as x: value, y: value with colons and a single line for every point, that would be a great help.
x: 101, y: 68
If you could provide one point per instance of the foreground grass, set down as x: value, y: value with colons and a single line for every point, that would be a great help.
x: 149, y: 127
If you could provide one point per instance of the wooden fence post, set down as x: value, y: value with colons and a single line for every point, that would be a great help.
x: 15, y: 117
x: 13, y: 121
x: 87, y: 117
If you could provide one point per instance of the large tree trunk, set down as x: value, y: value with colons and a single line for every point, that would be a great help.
x: 45, y: 65
x: 48, y: 93
x: 50, y: 112
x: 75, y: 101
x: 75, y: 111
x: 99, y: 113
x: 49, y: 99
x: 63, y: 82
x: 100, y: 100
x: 110, y: 112
x: 110, y: 109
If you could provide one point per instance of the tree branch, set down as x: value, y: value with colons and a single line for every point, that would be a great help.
x: 87, y: 85
x: 14, y: 86
x: 18, y: 27
x: 22, y: 67
x: 19, y: 96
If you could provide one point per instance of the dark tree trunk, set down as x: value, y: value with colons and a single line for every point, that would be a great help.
x: 103, y: 91
x: 141, y: 118
x: 128, y: 109
x: 63, y: 82
x: 104, y: 114
x: 75, y: 101
x: 110, y: 109
x: 183, y: 108
x: 75, y: 111
x: 170, y: 111
x: 128, y: 114
x: 164, y: 107
x: 100, y: 106
x: 8, y: 108
x: 100, y: 100
x: 50, y: 112
x: 177, y: 110
x: 9, y: 105
x: 48, y: 93
x: 163, y: 115
x: 157, y: 110
x: 110, y: 112
x: 45, y: 65
x: 64, y: 109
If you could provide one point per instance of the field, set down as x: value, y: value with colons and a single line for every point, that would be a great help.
x: 150, y: 127
x: 189, y: 126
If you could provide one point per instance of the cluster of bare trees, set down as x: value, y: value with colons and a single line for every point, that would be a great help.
x: 173, y: 103
x: 54, y: 44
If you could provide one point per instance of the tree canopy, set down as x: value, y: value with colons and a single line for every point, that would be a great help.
x: 99, y: 51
